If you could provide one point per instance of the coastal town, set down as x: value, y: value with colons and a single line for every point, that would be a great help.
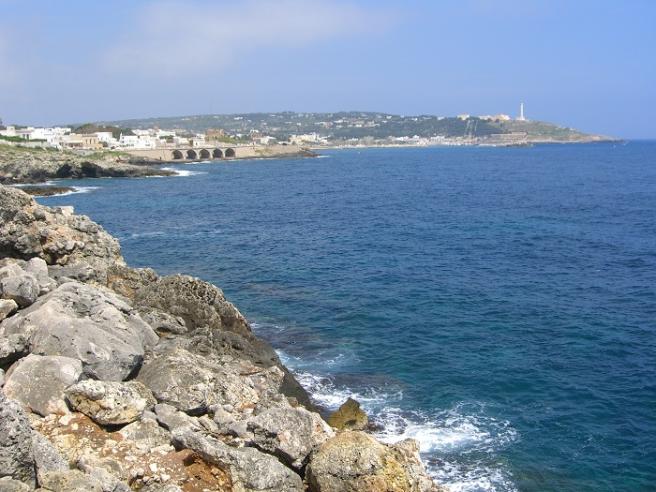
x: 219, y: 136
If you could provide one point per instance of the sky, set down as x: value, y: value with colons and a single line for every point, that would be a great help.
x: 588, y: 64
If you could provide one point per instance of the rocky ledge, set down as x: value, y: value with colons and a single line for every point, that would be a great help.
x: 34, y: 165
x: 116, y: 379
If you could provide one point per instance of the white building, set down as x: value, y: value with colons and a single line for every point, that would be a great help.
x: 107, y: 139
x: 306, y: 138
x: 138, y: 142
x: 52, y: 136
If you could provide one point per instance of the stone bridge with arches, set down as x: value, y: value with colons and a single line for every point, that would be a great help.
x: 214, y: 153
x: 202, y: 153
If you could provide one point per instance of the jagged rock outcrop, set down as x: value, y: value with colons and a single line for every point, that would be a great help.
x: 291, y: 434
x: 118, y: 379
x: 26, y: 165
x: 354, y: 461
x: 56, y: 235
x: 349, y: 416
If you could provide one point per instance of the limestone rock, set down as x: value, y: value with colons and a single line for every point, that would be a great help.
x: 349, y: 417
x: 108, y: 482
x: 12, y: 347
x: 38, y: 382
x: 192, y: 383
x: 7, y: 308
x: 46, y: 457
x: 29, y: 230
x: 164, y: 323
x: 180, y: 379
x: 356, y: 462
x: 250, y: 469
x: 110, y: 402
x: 84, y: 322
x: 16, y: 459
x: 146, y: 433
x: 39, y: 269
x: 116, y: 460
x: 289, y: 433
x: 2, y: 378
x: 171, y: 418
x: 8, y: 484
x: 70, y: 481
x: 22, y: 288
x: 214, y: 327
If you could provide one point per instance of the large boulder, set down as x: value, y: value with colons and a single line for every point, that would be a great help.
x: 86, y: 323
x: 356, y: 462
x: 16, y: 460
x: 18, y: 285
x: 289, y: 433
x: 56, y: 235
x: 182, y: 380
x: 250, y: 470
x: 110, y: 402
x: 192, y: 383
x: 349, y: 417
x: 38, y: 382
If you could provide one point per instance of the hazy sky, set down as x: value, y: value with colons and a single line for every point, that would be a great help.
x: 590, y: 64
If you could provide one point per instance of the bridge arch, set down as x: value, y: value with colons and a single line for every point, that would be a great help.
x: 204, y: 154
x: 191, y: 154
x: 217, y: 154
x: 177, y: 155
x: 230, y: 152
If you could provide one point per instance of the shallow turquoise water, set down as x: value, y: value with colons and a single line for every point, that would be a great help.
x: 496, y: 304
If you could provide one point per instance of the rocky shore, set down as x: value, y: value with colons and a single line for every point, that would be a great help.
x: 116, y: 379
x: 35, y: 165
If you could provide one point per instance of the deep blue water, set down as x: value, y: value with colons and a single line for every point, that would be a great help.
x: 497, y: 304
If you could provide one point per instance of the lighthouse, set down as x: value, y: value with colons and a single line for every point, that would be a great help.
x: 521, y: 112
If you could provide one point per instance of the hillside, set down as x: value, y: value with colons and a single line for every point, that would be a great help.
x: 345, y: 126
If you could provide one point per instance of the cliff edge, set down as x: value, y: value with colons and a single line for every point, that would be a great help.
x: 116, y: 379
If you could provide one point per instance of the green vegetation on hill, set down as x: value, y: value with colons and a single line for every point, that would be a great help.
x: 89, y: 128
x: 350, y: 125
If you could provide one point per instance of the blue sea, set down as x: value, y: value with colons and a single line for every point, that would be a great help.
x: 497, y: 304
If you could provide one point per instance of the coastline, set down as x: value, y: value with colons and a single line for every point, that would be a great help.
x: 465, y: 144
x: 186, y: 374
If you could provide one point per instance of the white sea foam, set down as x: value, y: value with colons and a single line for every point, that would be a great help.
x: 458, y: 445
x: 183, y: 172
x: 459, y: 478
x: 327, y: 394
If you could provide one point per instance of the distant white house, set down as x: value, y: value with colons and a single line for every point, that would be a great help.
x: 52, y: 136
x: 107, y: 138
x: 137, y: 141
